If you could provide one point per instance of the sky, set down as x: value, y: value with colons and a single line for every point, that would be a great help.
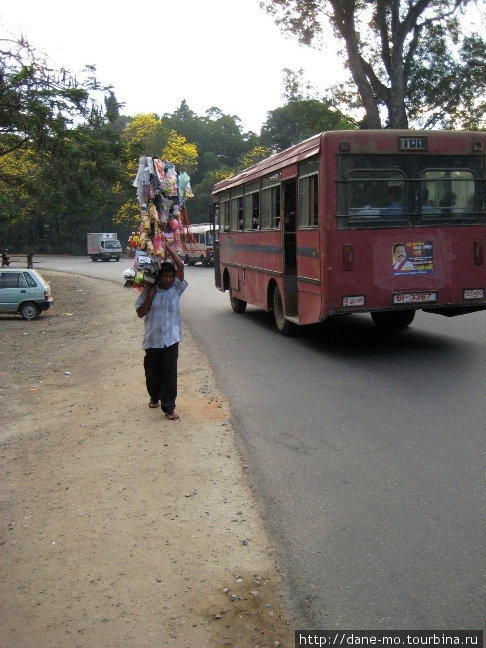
x: 223, y: 53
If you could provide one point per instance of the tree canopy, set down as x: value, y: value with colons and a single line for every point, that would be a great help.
x: 301, y: 117
x: 407, y: 59
x: 37, y: 103
x: 67, y: 162
x: 58, y: 157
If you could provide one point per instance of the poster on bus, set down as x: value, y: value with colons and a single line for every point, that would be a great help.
x: 413, y: 257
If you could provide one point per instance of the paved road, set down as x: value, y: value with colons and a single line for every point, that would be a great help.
x: 367, y: 451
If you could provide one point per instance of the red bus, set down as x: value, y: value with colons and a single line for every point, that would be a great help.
x: 385, y: 222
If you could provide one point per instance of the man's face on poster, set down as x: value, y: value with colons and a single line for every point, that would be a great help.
x: 400, y: 253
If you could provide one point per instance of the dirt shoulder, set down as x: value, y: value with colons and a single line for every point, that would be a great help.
x: 120, y: 528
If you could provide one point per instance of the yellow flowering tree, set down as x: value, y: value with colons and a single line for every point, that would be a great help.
x: 144, y: 135
x: 147, y: 135
x: 180, y: 152
x: 252, y: 157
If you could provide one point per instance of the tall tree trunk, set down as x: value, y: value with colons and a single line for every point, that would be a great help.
x: 344, y: 22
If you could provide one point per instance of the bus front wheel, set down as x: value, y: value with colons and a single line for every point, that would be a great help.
x: 389, y: 320
x: 238, y: 305
x: 284, y: 327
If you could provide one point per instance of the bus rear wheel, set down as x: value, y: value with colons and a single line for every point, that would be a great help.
x: 389, y: 320
x: 238, y: 305
x: 284, y: 327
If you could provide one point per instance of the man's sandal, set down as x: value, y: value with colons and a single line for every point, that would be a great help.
x: 153, y: 405
x: 172, y: 417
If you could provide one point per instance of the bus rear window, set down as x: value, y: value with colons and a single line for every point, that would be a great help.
x: 382, y: 191
x: 376, y: 195
x: 447, y: 194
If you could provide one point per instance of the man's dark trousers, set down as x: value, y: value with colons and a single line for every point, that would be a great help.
x: 161, y: 375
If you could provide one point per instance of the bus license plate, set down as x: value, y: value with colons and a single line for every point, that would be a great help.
x: 414, y: 297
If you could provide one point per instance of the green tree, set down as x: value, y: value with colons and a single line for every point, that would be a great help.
x: 219, y: 138
x: 187, y: 123
x: 299, y: 119
x: 395, y: 49
x: 37, y: 103
x: 59, y: 160
x: 71, y: 190
x: 256, y: 154
x: 220, y: 142
x: 199, y: 206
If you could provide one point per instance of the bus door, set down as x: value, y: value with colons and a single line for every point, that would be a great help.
x: 214, y: 220
x: 289, y: 241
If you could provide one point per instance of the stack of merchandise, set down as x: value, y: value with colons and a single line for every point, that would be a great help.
x: 161, y: 194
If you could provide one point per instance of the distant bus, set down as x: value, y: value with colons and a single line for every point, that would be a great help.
x: 385, y: 222
x: 198, y: 244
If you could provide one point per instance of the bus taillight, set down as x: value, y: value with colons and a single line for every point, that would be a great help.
x: 478, y: 252
x: 347, y: 256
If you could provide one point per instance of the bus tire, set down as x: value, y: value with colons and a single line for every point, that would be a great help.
x: 238, y: 305
x: 389, y: 320
x: 284, y: 327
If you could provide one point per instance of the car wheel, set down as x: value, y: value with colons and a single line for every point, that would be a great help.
x: 29, y: 311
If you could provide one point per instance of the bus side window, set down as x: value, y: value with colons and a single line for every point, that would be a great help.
x: 270, y: 207
x: 248, y: 212
x: 255, y: 210
x: 234, y: 215
x: 225, y: 215
x: 266, y: 208
x: 240, y: 213
x: 276, y: 206
x: 308, y: 201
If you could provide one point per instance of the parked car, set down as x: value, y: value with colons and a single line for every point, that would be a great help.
x: 24, y: 292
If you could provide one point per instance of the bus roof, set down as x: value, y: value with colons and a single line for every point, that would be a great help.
x: 291, y: 155
x: 359, y: 141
